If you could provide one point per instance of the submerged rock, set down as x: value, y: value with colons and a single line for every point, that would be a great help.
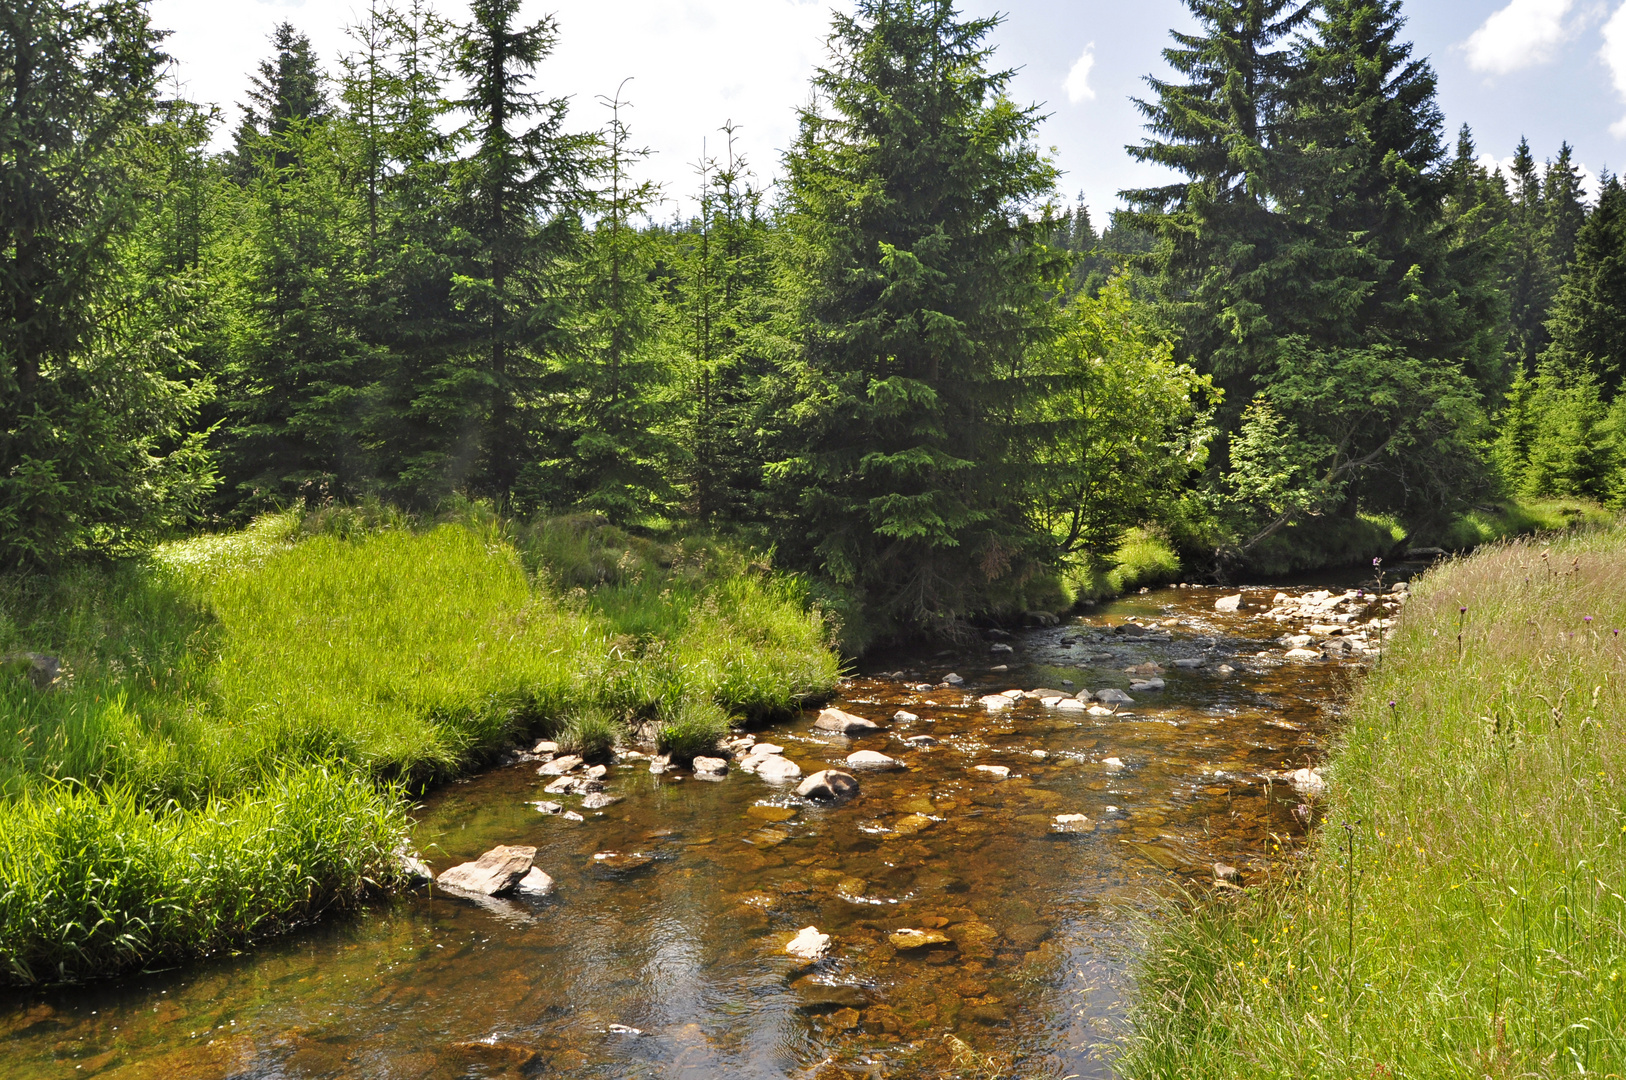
x: 997, y: 771
x: 917, y: 939
x: 844, y: 723
x: 495, y: 872
x: 1147, y: 685
x: 1072, y: 823
x: 535, y: 883
x: 830, y: 785
x: 622, y: 862
x: 871, y: 759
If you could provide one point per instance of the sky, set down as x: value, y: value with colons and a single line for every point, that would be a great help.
x: 1550, y: 70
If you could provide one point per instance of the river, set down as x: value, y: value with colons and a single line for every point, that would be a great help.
x: 676, y: 968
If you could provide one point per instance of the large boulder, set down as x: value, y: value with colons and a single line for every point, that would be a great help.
x: 495, y: 872
x: 844, y: 723
x: 829, y: 785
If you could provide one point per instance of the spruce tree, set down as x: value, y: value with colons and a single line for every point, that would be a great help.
x: 920, y: 285
x: 1588, y: 323
x: 96, y: 394
x: 284, y: 91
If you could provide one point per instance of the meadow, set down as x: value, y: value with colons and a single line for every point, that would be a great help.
x: 242, y: 715
x: 1460, y: 911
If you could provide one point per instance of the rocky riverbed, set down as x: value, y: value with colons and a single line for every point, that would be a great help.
x: 962, y: 904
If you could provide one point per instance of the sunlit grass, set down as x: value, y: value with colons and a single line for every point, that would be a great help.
x: 386, y: 651
x: 1480, y: 929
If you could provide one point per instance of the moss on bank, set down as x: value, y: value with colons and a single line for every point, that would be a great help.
x: 1479, y: 929
x: 221, y: 670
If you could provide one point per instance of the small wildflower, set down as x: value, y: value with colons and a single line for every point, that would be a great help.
x: 1587, y: 619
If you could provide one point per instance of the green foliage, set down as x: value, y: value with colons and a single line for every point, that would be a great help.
x: 98, y: 401
x: 590, y: 734
x: 1478, y: 928
x: 693, y: 729
x: 98, y: 881
x: 1120, y: 429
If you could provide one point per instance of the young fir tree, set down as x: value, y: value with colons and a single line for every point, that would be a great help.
x: 515, y: 196
x: 604, y: 446
x: 1220, y: 239
x: 919, y: 285
x: 95, y: 392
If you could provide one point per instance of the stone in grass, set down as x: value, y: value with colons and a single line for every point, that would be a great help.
x: 917, y: 939
x: 1308, y: 781
x: 1227, y: 875
x: 495, y: 872
x: 535, y: 883
x: 1072, y: 823
x: 872, y: 759
x: 808, y: 944
x: 844, y: 723
x: 830, y: 785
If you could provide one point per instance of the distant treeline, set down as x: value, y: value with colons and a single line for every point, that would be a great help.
x: 907, y: 365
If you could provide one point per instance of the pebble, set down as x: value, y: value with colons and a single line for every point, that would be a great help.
x: 999, y: 771
x: 808, y: 944
x: 545, y: 807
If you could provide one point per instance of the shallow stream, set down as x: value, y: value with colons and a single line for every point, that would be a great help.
x: 677, y: 968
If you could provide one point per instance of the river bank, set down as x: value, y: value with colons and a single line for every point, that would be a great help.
x: 208, y: 746
x: 1460, y: 913
x: 673, y: 958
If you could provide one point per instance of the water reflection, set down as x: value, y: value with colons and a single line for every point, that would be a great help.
x: 676, y: 967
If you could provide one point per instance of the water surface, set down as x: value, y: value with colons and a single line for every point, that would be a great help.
x: 687, y: 951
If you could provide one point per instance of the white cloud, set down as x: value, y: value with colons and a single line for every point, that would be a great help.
x: 1078, y: 80
x: 1614, y: 54
x: 1521, y: 35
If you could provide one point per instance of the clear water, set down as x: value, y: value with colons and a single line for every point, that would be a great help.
x: 688, y: 950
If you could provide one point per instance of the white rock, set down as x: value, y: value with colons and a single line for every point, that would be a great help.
x: 808, y: 944
x: 535, y: 883
x: 1113, y: 764
x: 1112, y: 696
x: 559, y: 765
x: 921, y: 740
x: 1190, y: 664
x: 1071, y: 705
x: 710, y: 766
x: 1308, y: 781
x: 1101, y: 710
x: 995, y: 702
x: 904, y: 717
x: 1014, y: 695
x: 1072, y: 823
x: 497, y: 871
x: 953, y: 680
x: 999, y: 771
x: 871, y: 759
x: 1228, y: 603
x: 1303, y: 654
x: 778, y: 770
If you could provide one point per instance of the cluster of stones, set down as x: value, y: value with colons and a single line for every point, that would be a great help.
x: 1340, y: 624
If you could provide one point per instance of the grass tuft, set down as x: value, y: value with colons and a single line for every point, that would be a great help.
x: 694, y: 729
x: 590, y: 734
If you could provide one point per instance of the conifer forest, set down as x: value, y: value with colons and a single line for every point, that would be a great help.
x: 395, y: 432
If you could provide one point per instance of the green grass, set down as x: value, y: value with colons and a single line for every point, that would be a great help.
x: 1517, y: 517
x: 1480, y: 929
x: 360, y: 642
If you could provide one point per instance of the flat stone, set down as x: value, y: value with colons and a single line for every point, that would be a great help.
x: 921, y: 740
x: 597, y: 800
x: 1147, y: 686
x: 1071, y: 705
x: 1112, y: 696
x: 995, y: 702
x: 904, y: 717
x: 545, y: 747
x: 871, y: 759
x: 535, y: 883
x: 1100, y: 710
x: 622, y: 862
x: 777, y: 770
x: 571, y: 815
x: 1072, y: 823
x: 1190, y: 664
x: 560, y: 765
x: 546, y: 807
x: 1303, y: 654
x: 495, y: 872
x: 1228, y: 603
x: 710, y: 766
x: 1014, y: 695
x: 829, y: 785
x: 808, y: 944
x: 999, y: 771
x: 917, y: 939
x: 844, y: 722
x: 763, y: 749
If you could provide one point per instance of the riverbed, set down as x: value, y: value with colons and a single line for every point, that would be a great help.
x: 675, y: 966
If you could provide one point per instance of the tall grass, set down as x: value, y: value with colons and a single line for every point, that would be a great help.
x: 358, y: 641
x: 1461, y: 911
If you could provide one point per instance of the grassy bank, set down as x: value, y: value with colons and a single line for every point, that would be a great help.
x: 1469, y: 920
x: 337, y: 654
